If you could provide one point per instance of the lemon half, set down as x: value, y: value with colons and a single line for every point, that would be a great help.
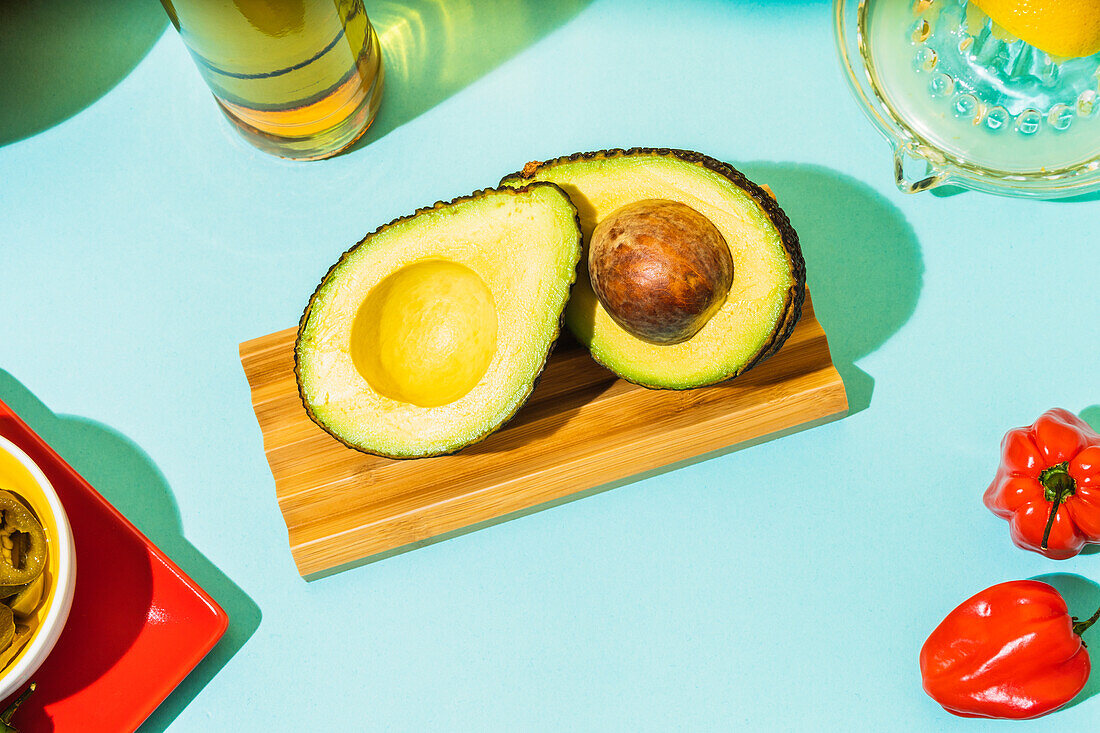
x: 1062, y: 28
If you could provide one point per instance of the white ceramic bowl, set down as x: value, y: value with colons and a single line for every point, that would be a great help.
x: 19, y: 474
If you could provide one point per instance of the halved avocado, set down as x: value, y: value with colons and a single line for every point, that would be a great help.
x: 764, y: 301
x: 430, y: 333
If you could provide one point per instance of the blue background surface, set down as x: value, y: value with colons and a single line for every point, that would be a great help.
x: 788, y: 586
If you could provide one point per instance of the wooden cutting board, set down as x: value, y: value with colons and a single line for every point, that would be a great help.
x: 581, y: 430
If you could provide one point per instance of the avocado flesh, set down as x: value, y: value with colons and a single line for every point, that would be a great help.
x: 430, y: 333
x: 768, y: 288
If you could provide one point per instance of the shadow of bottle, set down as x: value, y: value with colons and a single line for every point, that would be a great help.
x: 127, y: 478
x: 60, y: 56
x: 863, y: 261
x: 432, y: 49
x: 1082, y: 598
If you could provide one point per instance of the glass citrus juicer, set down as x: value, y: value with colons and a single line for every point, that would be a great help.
x: 964, y: 102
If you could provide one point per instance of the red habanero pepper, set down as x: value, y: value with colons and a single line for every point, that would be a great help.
x: 1048, y: 485
x: 1011, y: 651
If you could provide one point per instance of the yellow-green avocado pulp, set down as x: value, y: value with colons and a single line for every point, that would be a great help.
x: 429, y: 334
x: 769, y: 274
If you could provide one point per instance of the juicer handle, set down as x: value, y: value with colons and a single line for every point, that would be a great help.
x: 905, y: 159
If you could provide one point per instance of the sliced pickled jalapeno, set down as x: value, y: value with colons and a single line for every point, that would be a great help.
x: 23, y: 581
x: 10, y: 591
x: 23, y: 633
x: 23, y: 603
x: 7, y: 627
x: 22, y: 543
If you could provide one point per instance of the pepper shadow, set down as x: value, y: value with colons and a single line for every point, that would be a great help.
x: 1082, y: 598
x: 432, y: 49
x: 1091, y: 415
x: 60, y: 56
x: 129, y: 480
x: 863, y: 262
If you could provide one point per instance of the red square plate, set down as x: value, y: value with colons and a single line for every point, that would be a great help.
x: 138, y: 624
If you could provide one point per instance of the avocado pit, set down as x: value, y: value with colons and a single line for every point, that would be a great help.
x: 660, y: 269
x: 426, y: 334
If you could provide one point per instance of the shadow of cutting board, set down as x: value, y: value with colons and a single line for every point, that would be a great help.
x: 581, y: 430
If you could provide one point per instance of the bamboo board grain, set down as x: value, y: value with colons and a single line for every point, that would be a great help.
x: 582, y: 428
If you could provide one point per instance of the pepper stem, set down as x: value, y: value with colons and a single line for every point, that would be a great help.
x: 5, y: 717
x: 1080, y: 627
x: 1058, y: 486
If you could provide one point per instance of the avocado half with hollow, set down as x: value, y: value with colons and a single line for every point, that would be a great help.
x: 723, y: 330
x: 430, y: 333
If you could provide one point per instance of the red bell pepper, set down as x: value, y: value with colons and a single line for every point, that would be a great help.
x: 1048, y: 485
x: 1011, y: 651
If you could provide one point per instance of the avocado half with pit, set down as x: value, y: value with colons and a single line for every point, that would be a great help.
x: 735, y: 320
x: 429, y: 334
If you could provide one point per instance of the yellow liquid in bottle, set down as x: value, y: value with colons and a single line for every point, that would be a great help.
x: 299, y: 78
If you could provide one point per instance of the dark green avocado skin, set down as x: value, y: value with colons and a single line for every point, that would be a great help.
x: 796, y: 295
x: 365, y: 241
